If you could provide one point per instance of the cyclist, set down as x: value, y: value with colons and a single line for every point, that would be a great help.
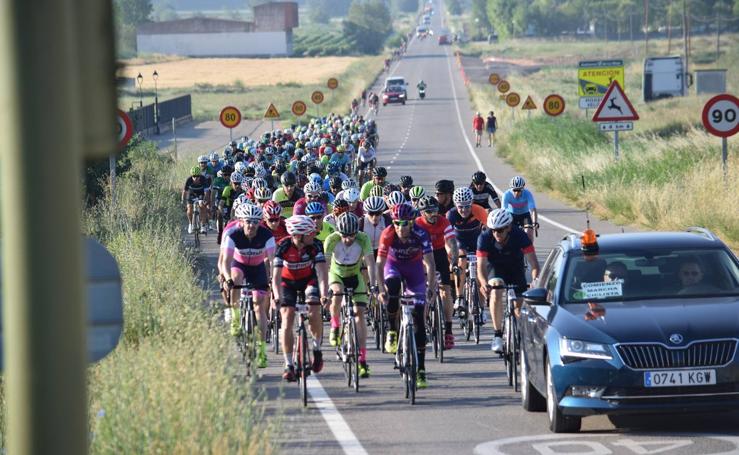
x: 247, y: 252
x: 313, y: 193
x: 415, y: 195
x: 520, y: 203
x: 501, y: 251
x: 379, y: 174
x: 444, y: 244
x: 262, y: 195
x: 482, y: 191
x: 300, y: 266
x: 221, y: 181
x: 366, y: 158
x: 215, y: 162
x: 205, y: 168
x: 406, y: 183
x: 347, y: 249
x: 228, y: 196
x: 467, y: 219
x: 316, y: 211
x: 288, y: 194
x: 444, y: 190
x: 375, y: 220
x: 273, y: 220
x: 197, y: 186
x: 404, y: 255
x: 340, y: 206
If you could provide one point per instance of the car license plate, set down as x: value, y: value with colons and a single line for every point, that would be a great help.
x: 677, y: 378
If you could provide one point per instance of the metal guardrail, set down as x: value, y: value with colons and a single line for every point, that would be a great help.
x: 144, y: 119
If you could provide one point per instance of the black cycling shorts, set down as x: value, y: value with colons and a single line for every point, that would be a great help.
x: 517, y: 279
x: 522, y: 219
x: 256, y: 275
x: 442, y: 266
x: 290, y: 289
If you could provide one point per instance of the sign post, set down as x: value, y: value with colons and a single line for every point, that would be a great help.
x: 616, y: 113
x: 332, y: 84
x: 298, y: 109
x: 230, y: 118
x: 721, y: 118
x: 271, y: 113
x: 317, y: 98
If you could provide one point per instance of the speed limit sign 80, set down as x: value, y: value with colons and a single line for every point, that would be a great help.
x: 721, y: 115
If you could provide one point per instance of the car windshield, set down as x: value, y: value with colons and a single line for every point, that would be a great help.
x: 651, y: 274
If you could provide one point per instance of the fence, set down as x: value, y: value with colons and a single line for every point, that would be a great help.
x: 145, y: 121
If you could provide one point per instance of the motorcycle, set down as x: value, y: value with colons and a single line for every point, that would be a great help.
x: 422, y: 93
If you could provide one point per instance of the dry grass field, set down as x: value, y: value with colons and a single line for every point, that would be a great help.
x: 248, y: 72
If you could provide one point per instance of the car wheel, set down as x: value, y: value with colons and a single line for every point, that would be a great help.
x: 531, y: 399
x: 403, y: 103
x: 558, y: 422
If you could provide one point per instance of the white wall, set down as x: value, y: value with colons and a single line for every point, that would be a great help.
x: 216, y: 44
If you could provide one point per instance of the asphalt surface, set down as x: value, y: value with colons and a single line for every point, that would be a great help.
x: 468, y: 407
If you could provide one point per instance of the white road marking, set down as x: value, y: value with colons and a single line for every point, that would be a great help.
x: 477, y: 159
x: 343, y: 434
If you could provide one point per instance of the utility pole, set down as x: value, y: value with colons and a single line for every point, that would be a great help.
x: 669, y: 28
x: 646, y: 28
x: 61, y: 116
x: 718, y: 35
x: 686, y: 49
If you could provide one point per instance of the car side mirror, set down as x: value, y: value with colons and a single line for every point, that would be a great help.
x: 536, y: 296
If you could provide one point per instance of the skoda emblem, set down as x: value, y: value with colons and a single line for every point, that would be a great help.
x: 676, y: 338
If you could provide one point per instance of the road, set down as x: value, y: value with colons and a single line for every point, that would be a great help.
x: 468, y: 407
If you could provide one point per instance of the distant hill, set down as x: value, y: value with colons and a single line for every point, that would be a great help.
x: 207, y: 5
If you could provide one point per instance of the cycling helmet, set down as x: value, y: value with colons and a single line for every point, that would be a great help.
x: 462, y: 196
x: 347, y: 223
x: 227, y: 170
x: 499, y: 218
x: 246, y: 182
x: 417, y: 192
x: 248, y: 171
x: 428, y: 204
x: 214, y: 156
x: 259, y: 171
x: 263, y: 194
x: 312, y: 188
x: 248, y: 212
x: 349, y: 183
x: 271, y: 209
x: 479, y: 177
x: 444, y: 186
x: 328, y: 150
x: 237, y: 178
x: 517, y: 182
x: 351, y: 195
x: 379, y: 172
x: 333, y: 167
x: 240, y: 167
x: 374, y: 204
x: 195, y: 171
x: 403, y: 212
x: 300, y: 225
x: 288, y: 178
x: 395, y: 198
x: 314, y: 208
x: 335, y: 182
x: 377, y: 190
x: 315, y: 177
x: 202, y: 159
x: 406, y: 181
x: 389, y: 188
x: 259, y: 183
x: 340, y: 206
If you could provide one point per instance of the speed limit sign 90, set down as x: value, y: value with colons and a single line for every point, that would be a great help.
x: 721, y: 115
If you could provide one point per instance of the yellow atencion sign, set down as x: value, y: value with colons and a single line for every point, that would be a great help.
x: 594, y: 77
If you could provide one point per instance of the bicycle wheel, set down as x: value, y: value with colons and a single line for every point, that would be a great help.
x: 507, y: 350
x: 344, y: 352
x: 383, y: 326
x: 276, y: 323
x: 376, y: 322
x: 196, y: 228
x: 440, y: 326
x: 515, y: 353
x: 304, y: 360
x: 434, y: 329
x: 354, y: 354
x: 412, y: 366
x: 475, y: 309
x: 253, y: 338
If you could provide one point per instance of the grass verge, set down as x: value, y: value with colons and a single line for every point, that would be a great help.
x: 170, y: 386
x: 669, y: 175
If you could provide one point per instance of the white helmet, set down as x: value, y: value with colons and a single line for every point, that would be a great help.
x: 248, y: 212
x: 462, y: 196
x: 259, y: 183
x: 374, y: 204
x: 350, y: 195
x: 499, y: 218
x: 202, y: 159
x: 312, y: 188
x: 240, y: 167
x: 349, y: 183
x: 300, y: 224
x: 395, y: 198
x: 518, y: 182
x: 237, y: 178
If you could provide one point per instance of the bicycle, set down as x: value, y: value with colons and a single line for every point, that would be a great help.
x: 273, y: 329
x: 196, y: 220
x: 378, y: 320
x: 347, y: 350
x: 436, y: 323
x: 406, y: 359
x: 249, y: 337
x: 301, y: 354
x: 472, y: 320
x: 511, y: 340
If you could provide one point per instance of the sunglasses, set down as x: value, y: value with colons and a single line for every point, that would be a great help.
x: 251, y: 221
x: 316, y: 217
x: 348, y: 236
x: 401, y: 223
x: 517, y: 190
x: 500, y: 231
x: 374, y: 213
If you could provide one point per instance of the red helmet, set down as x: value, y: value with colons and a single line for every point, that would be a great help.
x: 403, y: 211
x: 271, y: 209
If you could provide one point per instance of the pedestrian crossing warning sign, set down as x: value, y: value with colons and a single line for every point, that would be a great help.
x: 271, y: 112
x: 528, y: 104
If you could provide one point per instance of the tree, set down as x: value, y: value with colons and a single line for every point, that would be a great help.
x: 406, y: 6
x: 509, y: 17
x: 480, y: 17
x: 132, y: 12
x: 368, y: 23
x: 319, y: 11
x: 455, y: 7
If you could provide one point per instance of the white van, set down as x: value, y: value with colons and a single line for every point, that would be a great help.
x: 664, y: 78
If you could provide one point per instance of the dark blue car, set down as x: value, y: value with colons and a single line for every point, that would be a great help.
x: 632, y: 323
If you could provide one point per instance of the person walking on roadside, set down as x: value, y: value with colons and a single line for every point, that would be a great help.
x: 477, y: 125
x: 364, y: 97
x: 491, y: 125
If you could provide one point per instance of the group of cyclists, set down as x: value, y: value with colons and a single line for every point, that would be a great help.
x: 305, y: 213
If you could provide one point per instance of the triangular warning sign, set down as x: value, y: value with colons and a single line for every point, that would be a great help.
x: 528, y: 104
x: 615, y: 106
x: 271, y: 112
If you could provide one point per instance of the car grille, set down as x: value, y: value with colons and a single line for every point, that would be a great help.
x: 699, y: 354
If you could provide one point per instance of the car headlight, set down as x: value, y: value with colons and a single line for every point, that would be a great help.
x: 579, y: 349
x: 402, y: 95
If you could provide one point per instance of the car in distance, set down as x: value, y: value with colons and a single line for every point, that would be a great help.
x: 631, y: 323
x: 444, y: 39
x: 394, y: 91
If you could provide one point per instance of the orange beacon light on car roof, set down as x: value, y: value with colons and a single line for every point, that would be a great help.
x: 589, y: 241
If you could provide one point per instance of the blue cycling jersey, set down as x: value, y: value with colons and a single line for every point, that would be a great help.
x: 519, y: 205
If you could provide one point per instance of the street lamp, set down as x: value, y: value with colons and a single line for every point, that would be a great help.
x: 156, y: 100
x: 140, y: 80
